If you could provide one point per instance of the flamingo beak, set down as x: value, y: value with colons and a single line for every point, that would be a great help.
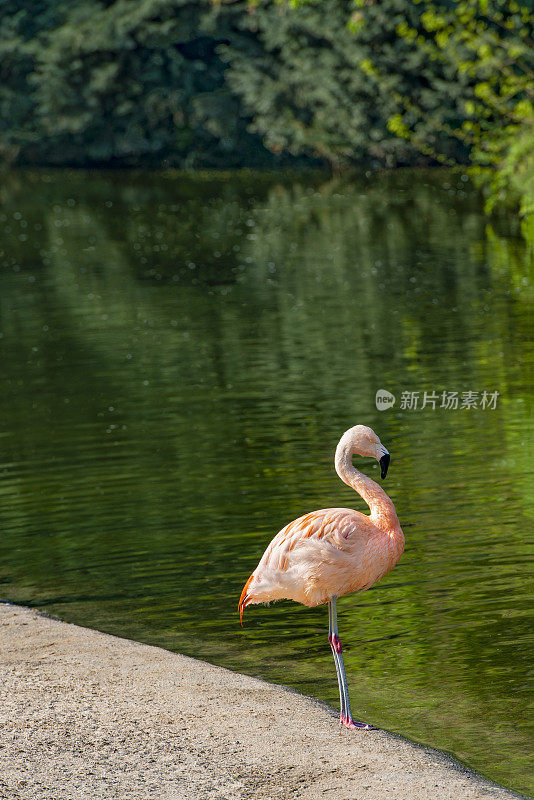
x: 384, y: 464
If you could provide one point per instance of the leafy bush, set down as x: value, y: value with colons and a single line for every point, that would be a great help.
x: 198, y: 83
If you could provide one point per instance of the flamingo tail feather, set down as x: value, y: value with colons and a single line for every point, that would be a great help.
x: 244, y: 600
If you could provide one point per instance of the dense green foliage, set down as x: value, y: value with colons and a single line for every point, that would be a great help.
x: 308, y: 81
x: 122, y: 82
x: 190, y: 83
x: 195, y: 83
x: 489, y: 42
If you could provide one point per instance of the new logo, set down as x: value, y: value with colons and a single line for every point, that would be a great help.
x: 384, y: 399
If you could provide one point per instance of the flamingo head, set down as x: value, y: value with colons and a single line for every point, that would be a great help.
x: 363, y: 441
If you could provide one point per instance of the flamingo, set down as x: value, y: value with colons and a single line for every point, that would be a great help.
x: 334, y: 551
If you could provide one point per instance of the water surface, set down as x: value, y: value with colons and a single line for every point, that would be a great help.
x: 179, y: 357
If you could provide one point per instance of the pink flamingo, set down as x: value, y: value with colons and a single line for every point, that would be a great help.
x: 328, y: 553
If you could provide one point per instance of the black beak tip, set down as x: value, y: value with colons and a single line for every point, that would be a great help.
x: 384, y: 464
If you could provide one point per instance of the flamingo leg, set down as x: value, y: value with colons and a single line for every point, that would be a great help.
x: 332, y: 631
x: 335, y: 643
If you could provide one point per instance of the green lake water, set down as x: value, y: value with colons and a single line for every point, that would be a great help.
x: 179, y: 356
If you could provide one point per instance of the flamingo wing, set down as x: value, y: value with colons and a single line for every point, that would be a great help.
x: 311, y: 559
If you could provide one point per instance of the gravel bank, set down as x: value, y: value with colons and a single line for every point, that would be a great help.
x: 87, y: 715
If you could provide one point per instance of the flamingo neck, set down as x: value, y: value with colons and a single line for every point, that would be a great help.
x: 381, y: 506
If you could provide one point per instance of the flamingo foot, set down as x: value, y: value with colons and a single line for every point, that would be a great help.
x: 348, y: 722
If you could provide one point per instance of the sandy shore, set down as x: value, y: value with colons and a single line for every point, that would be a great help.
x: 87, y: 715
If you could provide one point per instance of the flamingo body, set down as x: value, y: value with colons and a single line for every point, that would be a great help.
x: 334, y: 551
x: 324, y: 554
